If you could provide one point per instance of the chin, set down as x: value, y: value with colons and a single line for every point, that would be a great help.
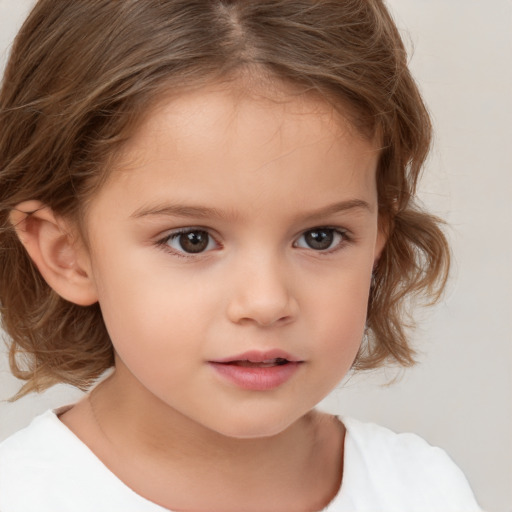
x: 255, y: 427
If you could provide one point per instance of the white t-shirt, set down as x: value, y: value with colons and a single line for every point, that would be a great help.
x: 46, y: 468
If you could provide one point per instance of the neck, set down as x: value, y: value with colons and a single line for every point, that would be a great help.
x: 170, y: 447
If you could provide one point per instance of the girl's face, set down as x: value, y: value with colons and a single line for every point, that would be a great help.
x: 231, y: 251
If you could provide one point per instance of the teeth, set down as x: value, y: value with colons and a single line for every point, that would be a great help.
x: 275, y: 361
x: 263, y: 364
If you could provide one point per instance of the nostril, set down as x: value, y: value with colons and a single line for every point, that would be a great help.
x: 264, y: 299
x: 264, y: 321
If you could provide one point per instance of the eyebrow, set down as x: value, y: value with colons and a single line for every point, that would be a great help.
x: 202, y: 212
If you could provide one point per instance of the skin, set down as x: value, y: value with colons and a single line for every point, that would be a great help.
x: 269, y: 170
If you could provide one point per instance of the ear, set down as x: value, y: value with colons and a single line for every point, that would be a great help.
x: 60, y: 256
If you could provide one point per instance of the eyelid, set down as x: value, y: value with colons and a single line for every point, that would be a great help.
x: 344, y: 233
x: 162, y: 241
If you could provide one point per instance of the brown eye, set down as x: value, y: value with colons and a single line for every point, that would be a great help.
x: 191, y: 242
x: 320, y: 239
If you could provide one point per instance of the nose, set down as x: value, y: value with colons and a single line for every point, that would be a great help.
x: 262, y: 294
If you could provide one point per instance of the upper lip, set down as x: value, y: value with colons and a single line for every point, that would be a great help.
x: 258, y: 356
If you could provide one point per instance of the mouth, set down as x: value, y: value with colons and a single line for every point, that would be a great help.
x: 256, y: 358
x: 245, y: 363
x: 257, y: 371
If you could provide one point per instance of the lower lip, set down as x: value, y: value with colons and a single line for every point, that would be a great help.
x: 256, y: 378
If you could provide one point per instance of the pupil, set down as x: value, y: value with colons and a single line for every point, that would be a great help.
x: 320, y: 239
x: 194, y: 241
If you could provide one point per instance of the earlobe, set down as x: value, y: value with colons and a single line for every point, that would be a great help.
x: 61, y: 259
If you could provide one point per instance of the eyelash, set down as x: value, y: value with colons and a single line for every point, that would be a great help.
x: 341, y: 233
x: 164, y: 242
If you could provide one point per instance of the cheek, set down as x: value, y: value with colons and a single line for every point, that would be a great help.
x: 146, y: 309
x: 340, y: 318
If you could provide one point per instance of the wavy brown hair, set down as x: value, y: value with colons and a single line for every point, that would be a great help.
x: 82, y: 74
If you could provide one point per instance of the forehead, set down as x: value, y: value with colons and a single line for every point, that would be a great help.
x: 252, y: 115
x: 256, y: 143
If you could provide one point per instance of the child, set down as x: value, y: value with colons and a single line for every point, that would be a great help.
x: 215, y: 199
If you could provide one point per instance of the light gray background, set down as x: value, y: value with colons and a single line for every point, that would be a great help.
x: 459, y: 397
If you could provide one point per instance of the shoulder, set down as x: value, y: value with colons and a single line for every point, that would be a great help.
x: 24, y: 457
x: 31, y: 443
x: 46, y: 468
x: 376, y: 441
x: 402, y: 471
x: 28, y: 459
